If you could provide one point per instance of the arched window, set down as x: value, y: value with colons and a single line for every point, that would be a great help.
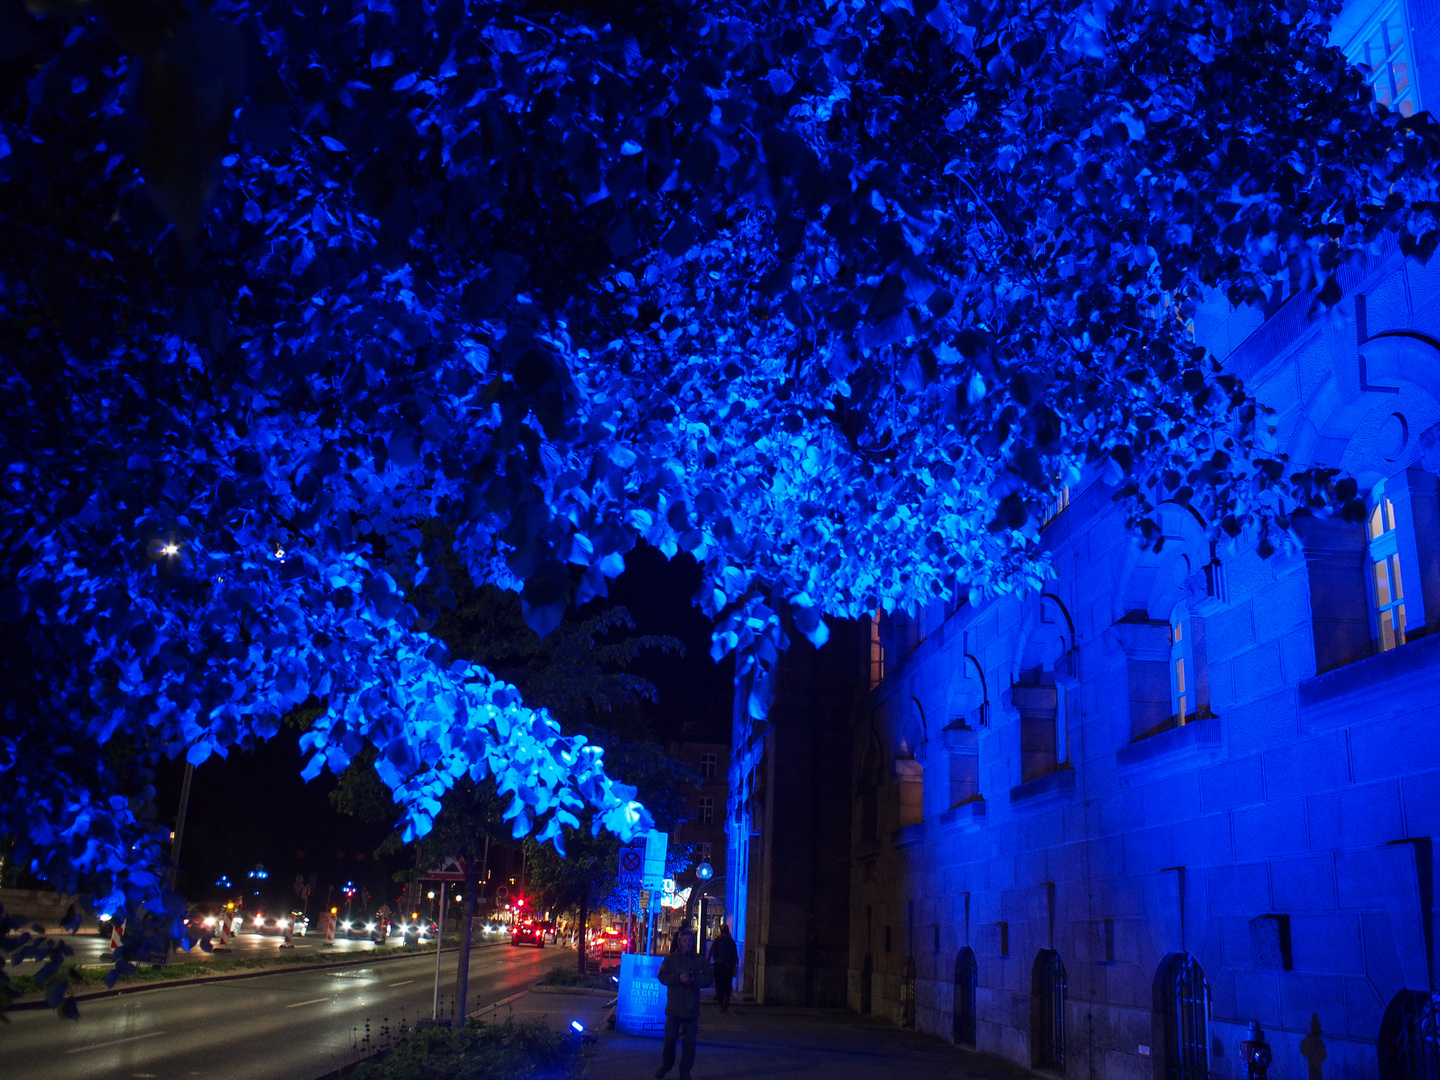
x: 1387, y: 589
x: 1047, y: 1012
x: 963, y: 1005
x: 1409, y: 1043
x: 1183, y: 1000
x: 1183, y: 700
x: 907, y: 994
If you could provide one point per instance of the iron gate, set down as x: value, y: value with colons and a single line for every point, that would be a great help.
x: 1187, y: 1020
x: 1047, y: 996
x: 966, y: 976
x: 1410, y: 1037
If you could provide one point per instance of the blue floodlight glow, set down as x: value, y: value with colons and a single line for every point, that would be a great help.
x: 578, y: 1026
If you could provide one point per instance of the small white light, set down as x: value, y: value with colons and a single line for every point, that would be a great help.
x: 283, y: 923
x: 370, y: 927
x: 578, y: 1026
x: 259, y: 920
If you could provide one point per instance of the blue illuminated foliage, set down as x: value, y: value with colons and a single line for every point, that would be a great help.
x: 832, y: 296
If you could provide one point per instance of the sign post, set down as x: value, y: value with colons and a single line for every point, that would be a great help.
x: 452, y: 869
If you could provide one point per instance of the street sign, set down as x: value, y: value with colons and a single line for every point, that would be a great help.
x: 632, y: 866
x: 452, y: 869
x: 655, y: 844
x: 668, y: 886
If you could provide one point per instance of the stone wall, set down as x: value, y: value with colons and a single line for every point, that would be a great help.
x: 1279, y: 833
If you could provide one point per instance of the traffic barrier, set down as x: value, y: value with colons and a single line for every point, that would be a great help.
x: 329, y: 929
x: 223, y: 945
x: 117, y: 933
x: 289, y: 942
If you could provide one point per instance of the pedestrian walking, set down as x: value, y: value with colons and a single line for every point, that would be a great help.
x: 724, y: 959
x: 684, y: 972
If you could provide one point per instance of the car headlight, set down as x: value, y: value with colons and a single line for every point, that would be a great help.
x: 282, y: 923
x: 370, y: 928
x: 210, y: 920
x: 259, y: 920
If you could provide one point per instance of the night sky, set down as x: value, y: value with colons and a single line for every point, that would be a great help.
x: 254, y: 808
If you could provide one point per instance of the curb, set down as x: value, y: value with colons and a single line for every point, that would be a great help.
x: 588, y: 991
x: 93, y: 995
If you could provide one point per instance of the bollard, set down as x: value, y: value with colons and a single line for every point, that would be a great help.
x: 1255, y: 1053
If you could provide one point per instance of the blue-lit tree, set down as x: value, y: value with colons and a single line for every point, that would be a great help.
x: 832, y: 295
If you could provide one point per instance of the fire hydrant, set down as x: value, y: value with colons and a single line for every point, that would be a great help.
x: 1255, y: 1053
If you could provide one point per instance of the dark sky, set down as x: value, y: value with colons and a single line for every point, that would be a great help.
x: 254, y: 808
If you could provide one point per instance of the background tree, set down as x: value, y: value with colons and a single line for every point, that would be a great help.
x: 585, y: 878
x: 580, y: 673
x: 831, y: 295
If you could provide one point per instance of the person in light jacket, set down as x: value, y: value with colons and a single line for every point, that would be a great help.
x: 684, y: 973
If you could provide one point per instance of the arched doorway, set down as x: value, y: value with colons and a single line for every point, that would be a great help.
x: 867, y: 977
x: 907, y: 994
x: 963, y: 1004
x: 1047, y: 1012
x: 1409, y: 1043
x: 1182, y: 998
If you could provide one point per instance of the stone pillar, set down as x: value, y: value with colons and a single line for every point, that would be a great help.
x: 1334, y: 554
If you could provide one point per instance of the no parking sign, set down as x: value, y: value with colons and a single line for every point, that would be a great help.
x: 632, y: 866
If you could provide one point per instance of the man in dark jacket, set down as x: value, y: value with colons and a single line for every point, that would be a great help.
x: 725, y: 959
x: 684, y: 972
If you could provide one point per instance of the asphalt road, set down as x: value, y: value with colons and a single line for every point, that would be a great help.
x: 90, y: 949
x: 297, y: 1025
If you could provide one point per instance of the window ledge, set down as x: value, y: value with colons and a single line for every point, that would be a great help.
x: 969, y: 813
x: 908, y: 835
x: 1059, y: 784
x: 1329, y: 700
x: 1198, y: 737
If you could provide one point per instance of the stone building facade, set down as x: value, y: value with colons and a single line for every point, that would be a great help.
x: 1102, y: 830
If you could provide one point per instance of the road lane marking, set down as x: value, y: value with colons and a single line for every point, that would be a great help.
x: 403, y: 982
x: 312, y: 1001
x: 115, y: 1042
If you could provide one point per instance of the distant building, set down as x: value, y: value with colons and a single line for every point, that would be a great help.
x: 1102, y: 830
x: 788, y: 891
x: 707, y: 753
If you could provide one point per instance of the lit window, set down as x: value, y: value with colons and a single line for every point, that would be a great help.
x: 877, y: 652
x: 1055, y: 506
x: 706, y: 809
x: 1387, y: 591
x: 1182, y: 665
x: 708, y: 763
x: 1382, y: 48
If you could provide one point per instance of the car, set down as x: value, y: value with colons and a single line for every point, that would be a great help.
x: 527, y: 934
x: 550, y: 930
x: 607, y: 947
x: 362, y: 928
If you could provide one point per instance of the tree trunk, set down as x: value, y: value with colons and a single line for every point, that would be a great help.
x: 580, y: 929
x: 462, y: 966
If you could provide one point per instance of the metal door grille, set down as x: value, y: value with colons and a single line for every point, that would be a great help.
x: 1187, y: 1020
x: 907, y: 994
x: 1048, y: 1013
x: 966, y: 977
x: 1410, y: 1037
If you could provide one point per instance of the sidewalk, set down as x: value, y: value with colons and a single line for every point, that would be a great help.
x: 756, y: 1041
